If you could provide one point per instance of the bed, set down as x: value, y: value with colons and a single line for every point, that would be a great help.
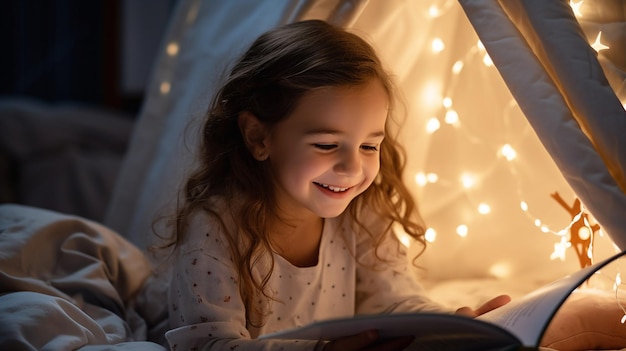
x: 68, y: 282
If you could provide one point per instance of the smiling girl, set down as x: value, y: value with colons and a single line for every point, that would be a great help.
x: 288, y: 217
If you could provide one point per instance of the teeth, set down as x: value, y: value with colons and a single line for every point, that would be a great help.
x: 333, y: 188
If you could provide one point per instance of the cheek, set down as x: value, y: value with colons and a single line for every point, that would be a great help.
x: 371, y: 169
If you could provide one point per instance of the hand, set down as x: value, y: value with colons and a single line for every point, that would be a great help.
x: 368, y: 341
x: 492, y: 304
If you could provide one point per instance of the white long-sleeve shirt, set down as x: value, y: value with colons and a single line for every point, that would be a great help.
x: 207, y: 311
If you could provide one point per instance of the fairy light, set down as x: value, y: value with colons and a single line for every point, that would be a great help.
x: 576, y: 8
x: 457, y: 67
x: 524, y: 206
x: 420, y: 179
x: 452, y: 117
x: 500, y: 270
x: 433, y: 11
x: 462, y: 230
x: 487, y: 60
x: 484, y: 208
x: 597, y: 44
x: 432, y: 125
x: 447, y: 102
x: 508, y: 152
x: 430, y: 235
x: 165, y: 87
x: 468, y: 180
x: 437, y: 45
x: 172, y: 49
x: 432, y: 177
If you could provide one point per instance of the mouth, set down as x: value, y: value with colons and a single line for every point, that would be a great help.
x: 335, y: 189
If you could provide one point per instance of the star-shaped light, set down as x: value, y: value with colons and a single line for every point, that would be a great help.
x: 576, y: 8
x: 597, y: 45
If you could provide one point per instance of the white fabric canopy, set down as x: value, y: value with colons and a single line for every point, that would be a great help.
x: 461, y: 120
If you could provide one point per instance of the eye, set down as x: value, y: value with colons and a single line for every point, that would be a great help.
x: 325, y: 147
x: 372, y: 148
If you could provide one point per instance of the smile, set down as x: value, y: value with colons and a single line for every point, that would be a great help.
x: 335, y: 189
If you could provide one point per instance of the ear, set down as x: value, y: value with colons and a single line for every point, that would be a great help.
x: 254, y: 134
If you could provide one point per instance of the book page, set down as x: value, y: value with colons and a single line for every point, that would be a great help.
x: 528, y: 317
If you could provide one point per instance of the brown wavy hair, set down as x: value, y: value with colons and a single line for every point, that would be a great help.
x: 279, y: 68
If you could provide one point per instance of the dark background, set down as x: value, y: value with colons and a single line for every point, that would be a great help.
x: 72, y: 83
x: 97, y: 52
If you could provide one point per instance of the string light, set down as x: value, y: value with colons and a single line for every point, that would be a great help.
x: 597, y: 44
x: 430, y: 235
x: 165, y: 87
x: 437, y: 45
x: 172, y: 49
x: 576, y: 8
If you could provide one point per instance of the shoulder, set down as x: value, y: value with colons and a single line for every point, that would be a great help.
x: 208, y: 229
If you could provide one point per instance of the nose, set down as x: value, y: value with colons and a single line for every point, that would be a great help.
x: 348, y: 163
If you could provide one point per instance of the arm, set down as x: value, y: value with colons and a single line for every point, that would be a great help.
x: 206, y: 309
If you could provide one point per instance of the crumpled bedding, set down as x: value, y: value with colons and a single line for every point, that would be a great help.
x: 89, y: 287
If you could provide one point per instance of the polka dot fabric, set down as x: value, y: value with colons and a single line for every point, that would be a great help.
x: 207, y: 312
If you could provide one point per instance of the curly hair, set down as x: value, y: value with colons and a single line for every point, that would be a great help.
x: 279, y: 68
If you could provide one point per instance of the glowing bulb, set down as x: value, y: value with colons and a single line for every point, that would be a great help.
x: 480, y: 45
x: 487, y: 60
x: 433, y: 11
x: 584, y: 233
x: 462, y: 230
x: 432, y: 177
x: 524, y: 206
x: 467, y: 180
x: 457, y: 67
x: 420, y: 179
x: 452, y: 117
x: 447, y: 102
x: 430, y: 235
x: 165, y: 88
x: 597, y: 44
x: 437, y: 45
x: 508, y: 152
x: 500, y: 270
x: 405, y: 239
x: 537, y: 223
x: 432, y: 125
x: 576, y: 8
x: 431, y: 94
x: 545, y: 229
x: 172, y: 49
x: 484, y: 208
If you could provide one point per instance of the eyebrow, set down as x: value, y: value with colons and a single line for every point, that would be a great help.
x: 332, y: 131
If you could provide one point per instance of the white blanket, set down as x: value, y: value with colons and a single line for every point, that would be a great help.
x: 71, y: 284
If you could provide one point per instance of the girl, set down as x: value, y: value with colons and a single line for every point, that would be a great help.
x: 288, y: 217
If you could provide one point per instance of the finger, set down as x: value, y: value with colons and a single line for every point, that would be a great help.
x: 353, y: 342
x: 466, y: 311
x: 492, y: 304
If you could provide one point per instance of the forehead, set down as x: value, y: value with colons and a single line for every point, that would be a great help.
x: 343, y: 107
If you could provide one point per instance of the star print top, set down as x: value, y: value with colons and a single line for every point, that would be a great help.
x: 208, y: 313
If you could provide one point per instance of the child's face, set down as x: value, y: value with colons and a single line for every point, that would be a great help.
x: 327, y: 151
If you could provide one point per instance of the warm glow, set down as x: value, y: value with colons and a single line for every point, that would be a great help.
x: 457, y: 67
x: 452, y: 117
x: 480, y: 45
x: 430, y: 235
x: 597, y: 44
x: 584, y: 233
x: 484, y: 208
x: 468, y: 180
x: 432, y: 177
x: 500, y: 270
x: 172, y: 49
x: 431, y: 94
x: 433, y: 11
x: 447, y: 102
x: 462, y: 230
x: 420, y: 179
x: 524, y: 206
x: 576, y: 8
x: 405, y: 239
x: 432, y: 125
x: 165, y: 88
x: 545, y: 229
x: 508, y: 152
x: 437, y: 45
x: 537, y: 222
x: 487, y: 60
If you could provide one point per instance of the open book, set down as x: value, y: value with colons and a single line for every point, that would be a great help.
x: 517, y: 325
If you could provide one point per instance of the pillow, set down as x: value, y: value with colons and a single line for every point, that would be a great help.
x: 588, y: 320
